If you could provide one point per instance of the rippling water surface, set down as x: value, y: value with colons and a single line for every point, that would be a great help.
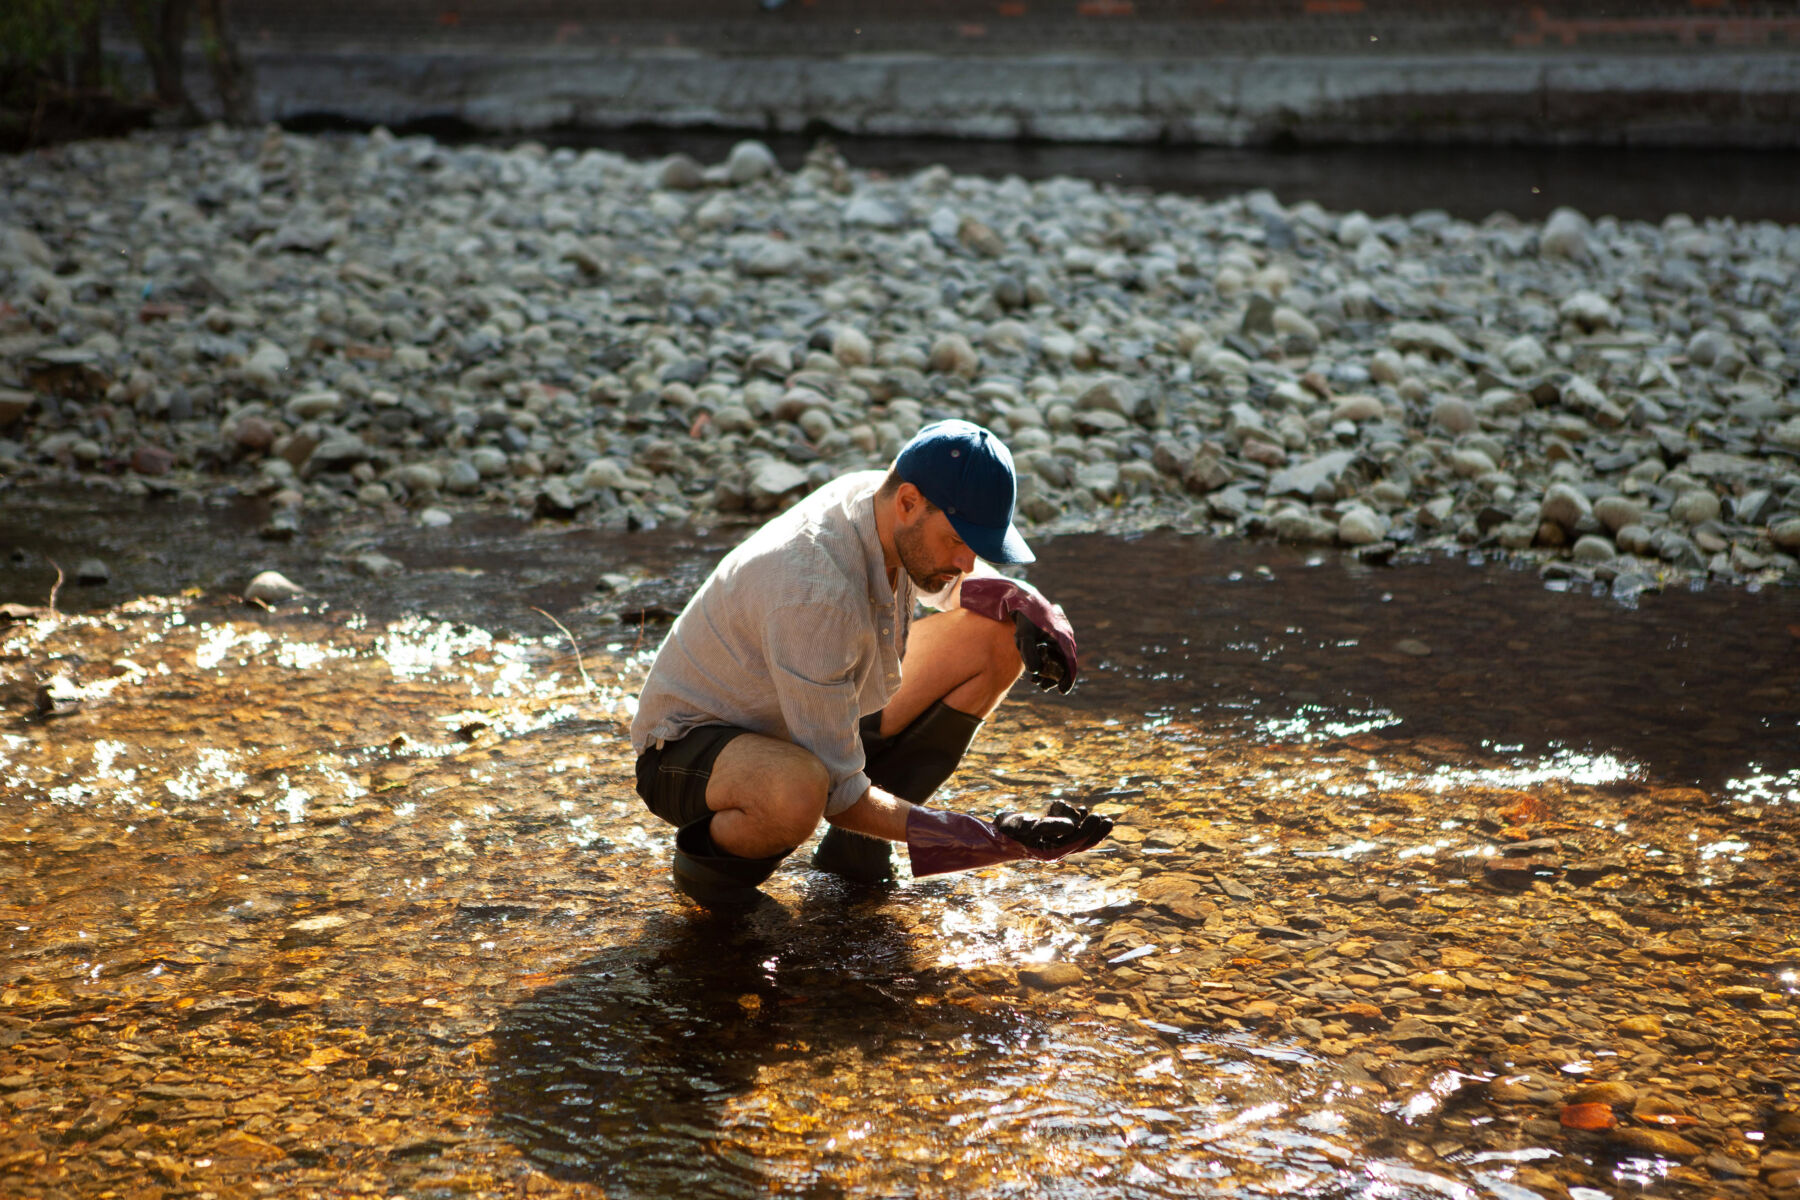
x: 358, y: 891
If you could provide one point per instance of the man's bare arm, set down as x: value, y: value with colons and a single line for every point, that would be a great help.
x: 878, y: 814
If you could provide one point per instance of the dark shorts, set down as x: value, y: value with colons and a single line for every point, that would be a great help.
x: 673, y: 780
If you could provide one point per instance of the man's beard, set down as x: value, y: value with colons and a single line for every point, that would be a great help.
x: 927, y: 576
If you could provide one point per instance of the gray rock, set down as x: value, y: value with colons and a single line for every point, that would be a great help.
x: 1564, y: 505
x: 1318, y: 478
x: 1616, y: 512
x: 764, y: 257
x: 1695, y: 507
x: 272, y: 588
x: 1453, y: 415
x: 338, y: 453
x: 310, y: 406
x: 1636, y: 539
x: 377, y: 566
x: 771, y: 479
x: 1524, y: 355
x: 1589, y: 309
x: 951, y: 354
x: 866, y: 211
x: 750, y: 161
x: 1361, y: 527
x: 1299, y: 525
x: 1566, y: 235
x: 679, y: 172
x: 1432, y: 339
x: 1709, y: 347
x: 1472, y: 463
x: 1592, y: 549
x: 461, y: 478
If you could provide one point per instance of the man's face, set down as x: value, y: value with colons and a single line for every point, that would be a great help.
x: 930, y: 552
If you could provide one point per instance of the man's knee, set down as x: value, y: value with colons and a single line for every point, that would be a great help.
x: 796, y: 799
x: 996, y: 642
x: 779, y: 789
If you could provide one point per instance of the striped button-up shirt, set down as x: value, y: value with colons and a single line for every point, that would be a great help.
x: 796, y: 634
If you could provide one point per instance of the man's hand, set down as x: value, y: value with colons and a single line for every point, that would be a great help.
x: 1042, y: 657
x: 938, y: 841
x: 1041, y: 630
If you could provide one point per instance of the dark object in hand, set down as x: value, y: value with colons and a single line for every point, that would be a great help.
x: 1064, y: 829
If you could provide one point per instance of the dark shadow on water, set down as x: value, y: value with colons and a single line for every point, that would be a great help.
x: 622, y: 1072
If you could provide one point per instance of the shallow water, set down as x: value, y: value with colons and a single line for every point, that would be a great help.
x: 1472, y: 182
x: 357, y: 894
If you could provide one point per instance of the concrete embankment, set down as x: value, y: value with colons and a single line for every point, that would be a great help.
x: 1236, y: 74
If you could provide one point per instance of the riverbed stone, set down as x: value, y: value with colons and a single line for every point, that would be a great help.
x: 1616, y: 512
x: 1565, y: 235
x: 749, y: 161
x: 1695, y: 507
x: 1592, y: 549
x: 1565, y: 505
x: 532, y: 311
x: 272, y: 588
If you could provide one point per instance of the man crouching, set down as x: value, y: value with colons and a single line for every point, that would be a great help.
x: 796, y: 684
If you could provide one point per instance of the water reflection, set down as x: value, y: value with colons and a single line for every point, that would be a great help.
x: 411, y: 832
x: 810, y: 1052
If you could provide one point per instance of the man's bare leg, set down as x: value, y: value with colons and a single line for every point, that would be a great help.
x: 957, y: 668
x: 966, y: 660
x: 767, y: 796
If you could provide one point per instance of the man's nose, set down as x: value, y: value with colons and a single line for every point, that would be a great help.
x: 964, y: 559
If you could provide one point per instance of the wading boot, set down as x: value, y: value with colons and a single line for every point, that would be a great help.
x: 912, y: 764
x: 708, y: 875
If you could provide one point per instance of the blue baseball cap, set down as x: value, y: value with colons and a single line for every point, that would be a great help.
x: 968, y: 473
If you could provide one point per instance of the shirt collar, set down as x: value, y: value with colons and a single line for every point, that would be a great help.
x: 862, y: 513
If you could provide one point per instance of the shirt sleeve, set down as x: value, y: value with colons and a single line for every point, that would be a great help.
x: 813, y: 651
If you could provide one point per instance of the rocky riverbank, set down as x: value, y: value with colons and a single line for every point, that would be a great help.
x: 419, y: 330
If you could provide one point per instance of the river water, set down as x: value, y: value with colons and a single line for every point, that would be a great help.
x: 1471, y: 182
x: 354, y: 895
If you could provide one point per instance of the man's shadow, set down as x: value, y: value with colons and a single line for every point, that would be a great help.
x: 625, y: 1072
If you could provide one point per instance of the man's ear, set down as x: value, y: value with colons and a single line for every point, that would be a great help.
x: 909, y: 501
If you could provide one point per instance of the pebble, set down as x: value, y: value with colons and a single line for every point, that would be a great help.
x: 750, y: 161
x: 1048, y: 977
x: 1565, y: 235
x: 1655, y: 1141
x: 579, y: 334
x: 272, y: 588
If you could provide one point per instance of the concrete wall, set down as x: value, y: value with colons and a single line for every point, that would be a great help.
x: 1223, y: 72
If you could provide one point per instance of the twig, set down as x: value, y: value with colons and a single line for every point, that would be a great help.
x: 579, y: 666
x: 54, y: 588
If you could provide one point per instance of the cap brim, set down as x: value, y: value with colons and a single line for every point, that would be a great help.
x: 996, y: 544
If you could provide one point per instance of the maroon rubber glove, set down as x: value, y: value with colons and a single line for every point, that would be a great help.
x: 938, y: 840
x: 1042, y: 631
